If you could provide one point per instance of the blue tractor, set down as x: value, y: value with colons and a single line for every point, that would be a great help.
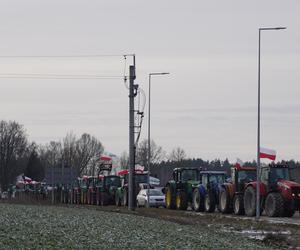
x: 206, y: 195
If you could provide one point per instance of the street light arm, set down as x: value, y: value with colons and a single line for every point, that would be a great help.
x: 273, y: 28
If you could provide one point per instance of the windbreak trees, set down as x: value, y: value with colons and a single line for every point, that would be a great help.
x: 13, y: 151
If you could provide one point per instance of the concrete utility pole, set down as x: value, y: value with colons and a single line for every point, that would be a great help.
x: 132, y: 94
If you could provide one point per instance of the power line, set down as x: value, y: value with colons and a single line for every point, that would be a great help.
x: 65, y: 56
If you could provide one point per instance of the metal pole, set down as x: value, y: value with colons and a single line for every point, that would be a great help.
x: 258, y: 125
x: 131, y: 138
x: 258, y: 137
x: 149, y: 149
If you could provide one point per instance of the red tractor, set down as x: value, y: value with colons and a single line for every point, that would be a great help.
x: 280, y: 196
x: 232, y: 192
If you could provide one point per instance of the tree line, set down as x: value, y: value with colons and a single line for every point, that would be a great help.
x: 19, y: 156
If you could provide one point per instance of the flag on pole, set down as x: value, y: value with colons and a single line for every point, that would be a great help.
x: 239, y: 162
x: 267, y: 153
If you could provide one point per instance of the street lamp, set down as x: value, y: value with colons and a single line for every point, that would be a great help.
x: 258, y: 125
x: 149, y: 149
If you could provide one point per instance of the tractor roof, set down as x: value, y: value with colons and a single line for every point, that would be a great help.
x: 273, y: 165
x: 126, y: 171
x: 180, y: 169
x: 242, y: 168
x: 213, y: 172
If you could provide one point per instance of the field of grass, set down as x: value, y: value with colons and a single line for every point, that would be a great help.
x: 47, y: 227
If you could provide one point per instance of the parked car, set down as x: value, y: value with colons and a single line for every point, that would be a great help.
x: 156, y: 198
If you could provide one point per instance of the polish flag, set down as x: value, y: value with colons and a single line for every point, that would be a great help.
x: 239, y: 162
x: 267, y: 153
x: 105, y: 158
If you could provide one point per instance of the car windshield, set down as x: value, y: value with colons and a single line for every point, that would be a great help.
x: 189, y: 175
x: 246, y: 176
x: 220, y: 178
x: 141, y: 178
x: 113, y: 181
x: 154, y: 192
x: 279, y: 173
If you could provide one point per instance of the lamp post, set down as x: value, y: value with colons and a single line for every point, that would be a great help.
x: 258, y: 125
x: 149, y: 149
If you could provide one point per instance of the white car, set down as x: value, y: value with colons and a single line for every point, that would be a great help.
x: 156, y: 197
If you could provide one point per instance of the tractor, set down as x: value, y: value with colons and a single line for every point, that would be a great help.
x: 231, y: 196
x: 78, y: 191
x: 179, y: 191
x: 279, y: 195
x: 140, y: 179
x: 105, y: 189
x: 206, y: 195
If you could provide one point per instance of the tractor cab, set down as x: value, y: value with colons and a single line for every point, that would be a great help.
x: 240, y: 176
x: 212, y: 178
x: 111, y: 181
x: 272, y: 173
x: 186, y: 174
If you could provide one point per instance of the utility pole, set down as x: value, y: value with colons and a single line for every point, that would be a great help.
x: 132, y: 94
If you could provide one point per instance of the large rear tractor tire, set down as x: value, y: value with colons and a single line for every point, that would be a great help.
x: 117, y: 200
x: 238, y: 204
x: 274, y: 206
x: 198, y: 201
x: 181, y: 201
x: 104, y: 199
x: 169, y: 198
x: 225, y: 202
x: 125, y: 198
x: 289, y: 209
x: 250, y: 201
x: 209, y: 203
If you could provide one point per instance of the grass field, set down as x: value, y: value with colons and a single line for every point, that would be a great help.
x: 47, y: 227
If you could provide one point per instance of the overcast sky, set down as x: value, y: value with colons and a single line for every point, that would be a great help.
x: 207, y: 105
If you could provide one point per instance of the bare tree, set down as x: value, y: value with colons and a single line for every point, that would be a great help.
x: 157, y: 154
x: 178, y: 154
x: 13, y: 149
x: 88, y: 151
x: 124, y: 160
x: 69, y: 150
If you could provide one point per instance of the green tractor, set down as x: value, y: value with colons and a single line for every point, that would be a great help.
x: 105, y: 189
x: 179, y: 191
x: 141, y: 180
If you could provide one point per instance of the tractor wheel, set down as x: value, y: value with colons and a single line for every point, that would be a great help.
x: 250, y: 201
x: 104, y: 199
x: 169, y: 197
x: 117, y: 200
x: 198, y: 201
x: 181, y: 201
x: 238, y: 204
x: 274, y: 205
x: 224, y: 203
x: 97, y: 198
x: 88, y: 198
x: 289, y: 209
x: 209, y: 203
x: 125, y: 198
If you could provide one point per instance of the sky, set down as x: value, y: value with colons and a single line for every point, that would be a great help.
x: 208, y: 103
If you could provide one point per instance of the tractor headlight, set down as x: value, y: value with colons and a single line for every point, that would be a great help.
x: 293, y: 195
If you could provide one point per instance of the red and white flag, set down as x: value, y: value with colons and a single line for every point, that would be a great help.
x: 267, y: 153
x: 239, y: 162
